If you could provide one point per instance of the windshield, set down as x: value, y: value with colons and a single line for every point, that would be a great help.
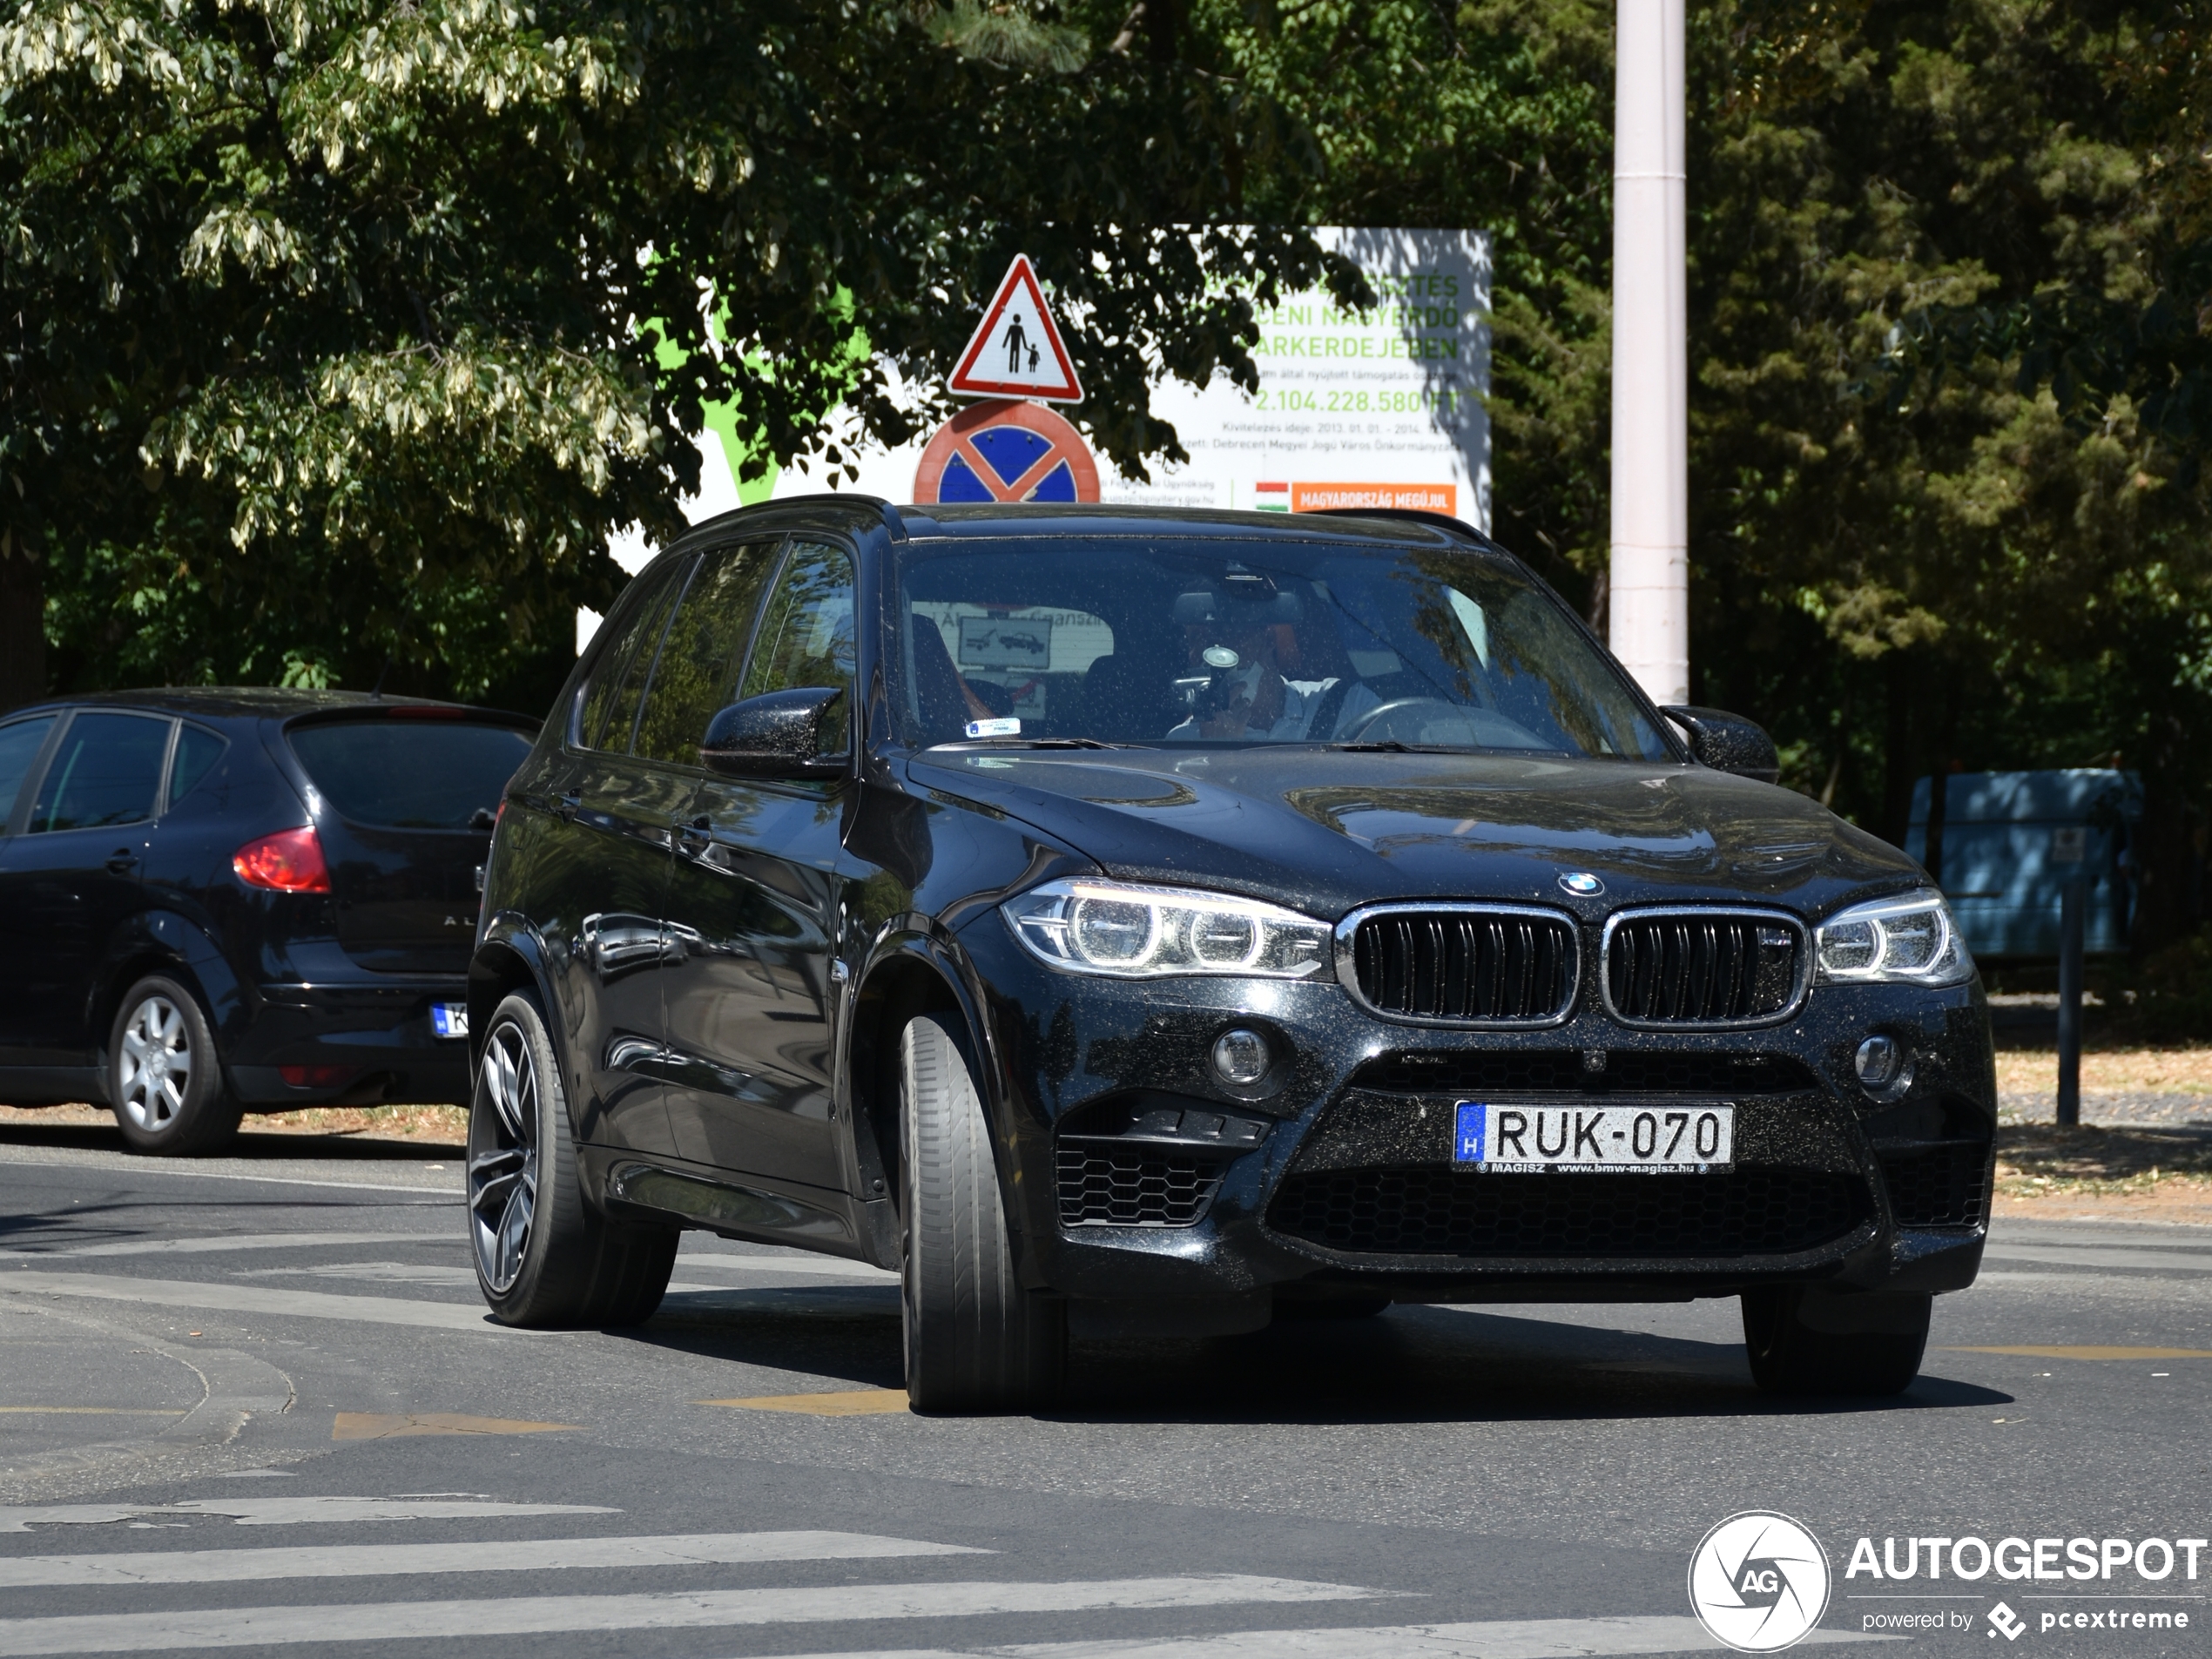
x: 1212, y: 644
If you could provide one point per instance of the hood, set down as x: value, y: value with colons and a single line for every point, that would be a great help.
x: 1324, y: 831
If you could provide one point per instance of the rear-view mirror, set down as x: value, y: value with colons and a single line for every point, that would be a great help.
x: 777, y: 734
x: 1728, y: 743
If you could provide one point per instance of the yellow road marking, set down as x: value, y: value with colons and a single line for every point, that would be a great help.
x: 97, y: 1411
x: 2095, y: 1352
x: 854, y: 1402
x: 378, y: 1426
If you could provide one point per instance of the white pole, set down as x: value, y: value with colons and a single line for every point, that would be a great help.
x: 1648, y: 606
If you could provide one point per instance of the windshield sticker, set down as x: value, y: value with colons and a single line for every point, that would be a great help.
x: 995, y: 728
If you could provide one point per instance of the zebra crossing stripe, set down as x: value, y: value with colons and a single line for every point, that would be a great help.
x: 511, y: 1616
x: 1495, y: 1639
x: 521, y: 1556
x: 259, y: 1298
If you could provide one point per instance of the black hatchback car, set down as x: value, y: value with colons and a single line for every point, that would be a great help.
x: 1127, y: 922
x: 218, y: 901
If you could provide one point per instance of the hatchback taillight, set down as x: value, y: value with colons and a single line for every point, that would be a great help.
x: 288, y: 861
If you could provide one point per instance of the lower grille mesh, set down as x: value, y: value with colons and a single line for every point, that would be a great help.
x: 1421, y: 1211
x: 1937, y: 1186
x: 1134, y: 1184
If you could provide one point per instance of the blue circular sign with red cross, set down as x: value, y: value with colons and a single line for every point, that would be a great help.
x: 1006, y: 450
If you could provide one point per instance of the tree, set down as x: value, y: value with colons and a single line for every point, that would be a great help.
x: 339, y: 336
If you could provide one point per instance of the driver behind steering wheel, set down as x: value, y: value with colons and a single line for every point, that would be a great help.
x: 1231, y: 639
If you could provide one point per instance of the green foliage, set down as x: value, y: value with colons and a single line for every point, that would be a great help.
x: 325, y: 346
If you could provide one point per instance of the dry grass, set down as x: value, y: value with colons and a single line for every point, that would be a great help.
x: 2042, y: 1159
x: 2154, y: 1071
x: 446, y: 1127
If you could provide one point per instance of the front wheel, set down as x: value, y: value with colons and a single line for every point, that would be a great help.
x: 165, y: 1080
x: 545, y: 1260
x: 976, y: 1341
x: 1806, y: 1339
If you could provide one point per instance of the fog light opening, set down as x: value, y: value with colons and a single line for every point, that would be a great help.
x: 1882, y: 1065
x: 1241, y: 1056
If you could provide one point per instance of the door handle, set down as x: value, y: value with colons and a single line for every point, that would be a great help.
x: 567, y: 804
x: 698, y: 830
x: 122, y: 861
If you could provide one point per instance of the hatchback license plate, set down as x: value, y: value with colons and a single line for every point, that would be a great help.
x: 1511, y: 1139
x: 449, y: 1019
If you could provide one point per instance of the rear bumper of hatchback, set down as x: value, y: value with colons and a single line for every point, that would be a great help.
x: 351, y: 1042
x: 1350, y: 1189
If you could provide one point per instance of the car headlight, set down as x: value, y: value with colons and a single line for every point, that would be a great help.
x: 1132, y: 932
x: 1910, y: 939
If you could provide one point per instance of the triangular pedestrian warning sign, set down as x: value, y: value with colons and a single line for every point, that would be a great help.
x: 1017, y: 351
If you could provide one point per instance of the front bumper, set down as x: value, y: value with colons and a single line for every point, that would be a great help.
x: 1350, y: 1188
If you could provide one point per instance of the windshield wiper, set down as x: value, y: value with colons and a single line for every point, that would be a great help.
x: 1053, y: 743
x: 1386, y: 745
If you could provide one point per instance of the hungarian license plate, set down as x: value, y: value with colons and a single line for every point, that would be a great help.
x: 1514, y: 1139
x: 449, y: 1019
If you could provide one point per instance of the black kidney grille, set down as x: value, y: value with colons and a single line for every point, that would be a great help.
x: 1434, y: 1211
x: 1937, y: 1186
x: 1701, y: 969
x: 1103, y: 1184
x: 1465, y: 965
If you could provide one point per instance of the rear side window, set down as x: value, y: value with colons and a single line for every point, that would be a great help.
x: 705, y: 649
x: 197, y: 751
x: 410, y: 773
x: 107, y: 772
x: 617, y: 681
x: 19, y: 745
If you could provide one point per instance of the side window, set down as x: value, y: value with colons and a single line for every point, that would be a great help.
x: 805, y: 637
x: 704, y: 650
x: 610, y: 701
x: 107, y: 772
x: 198, y: 750
x: 20, y: 742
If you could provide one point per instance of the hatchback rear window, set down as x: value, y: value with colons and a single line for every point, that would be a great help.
x: 412, y: 773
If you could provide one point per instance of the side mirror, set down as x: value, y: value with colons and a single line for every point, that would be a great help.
x: 1728, y: 743
x: 778, y: 734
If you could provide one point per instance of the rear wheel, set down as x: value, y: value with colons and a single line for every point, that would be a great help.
x: 1805, y: 1339
x: 163, y: 1077
x: 544, y: 1257
x: 976, y: 1341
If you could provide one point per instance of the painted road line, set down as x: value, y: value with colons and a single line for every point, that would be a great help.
x: 436, y: 1273
x: 97, y: 1411
x: 511, y: 1616
x: 287, y: 1510
x: 135, y: 1163
x: 2170, y: 1261
x: 257, y: 1299
x: 219, y: 1242
x: 381, y: 1560
x: 390, y: 1425
x: 2091, y: 1352
x: 1495, y: 1639
x: 852, y: 1402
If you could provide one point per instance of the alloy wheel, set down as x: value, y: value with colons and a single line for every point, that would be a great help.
x: 157, y: 1064
x: 502, y: 1157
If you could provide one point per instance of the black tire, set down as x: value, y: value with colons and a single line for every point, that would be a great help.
x: 545, y: 1259
x: 976, y: 1341
x: 164, y: 1078
x: 1803, y: 1339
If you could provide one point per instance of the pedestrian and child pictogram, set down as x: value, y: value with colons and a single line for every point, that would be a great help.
x: 1017, y: 351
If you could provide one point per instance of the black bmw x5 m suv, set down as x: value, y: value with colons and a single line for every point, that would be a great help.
x: 1127, y: 922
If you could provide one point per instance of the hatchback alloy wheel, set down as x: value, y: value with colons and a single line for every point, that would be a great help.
x: 156, y: 1065
x: 502, y: 1156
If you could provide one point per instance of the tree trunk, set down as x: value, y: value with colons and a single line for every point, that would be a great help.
x: 23, y: 630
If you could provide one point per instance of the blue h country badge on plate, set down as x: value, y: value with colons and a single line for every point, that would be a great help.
x: 1471, y: 1121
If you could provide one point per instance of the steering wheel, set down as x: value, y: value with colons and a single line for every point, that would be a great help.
x: 1424, y: 710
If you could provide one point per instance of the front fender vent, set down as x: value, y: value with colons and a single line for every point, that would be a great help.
x: 1461, y: 964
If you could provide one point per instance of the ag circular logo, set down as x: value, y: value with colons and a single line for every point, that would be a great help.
x: 1581, y: 884
x: 1759, y: 1581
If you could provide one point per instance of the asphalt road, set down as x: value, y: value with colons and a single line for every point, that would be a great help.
x: 254, y: 1403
